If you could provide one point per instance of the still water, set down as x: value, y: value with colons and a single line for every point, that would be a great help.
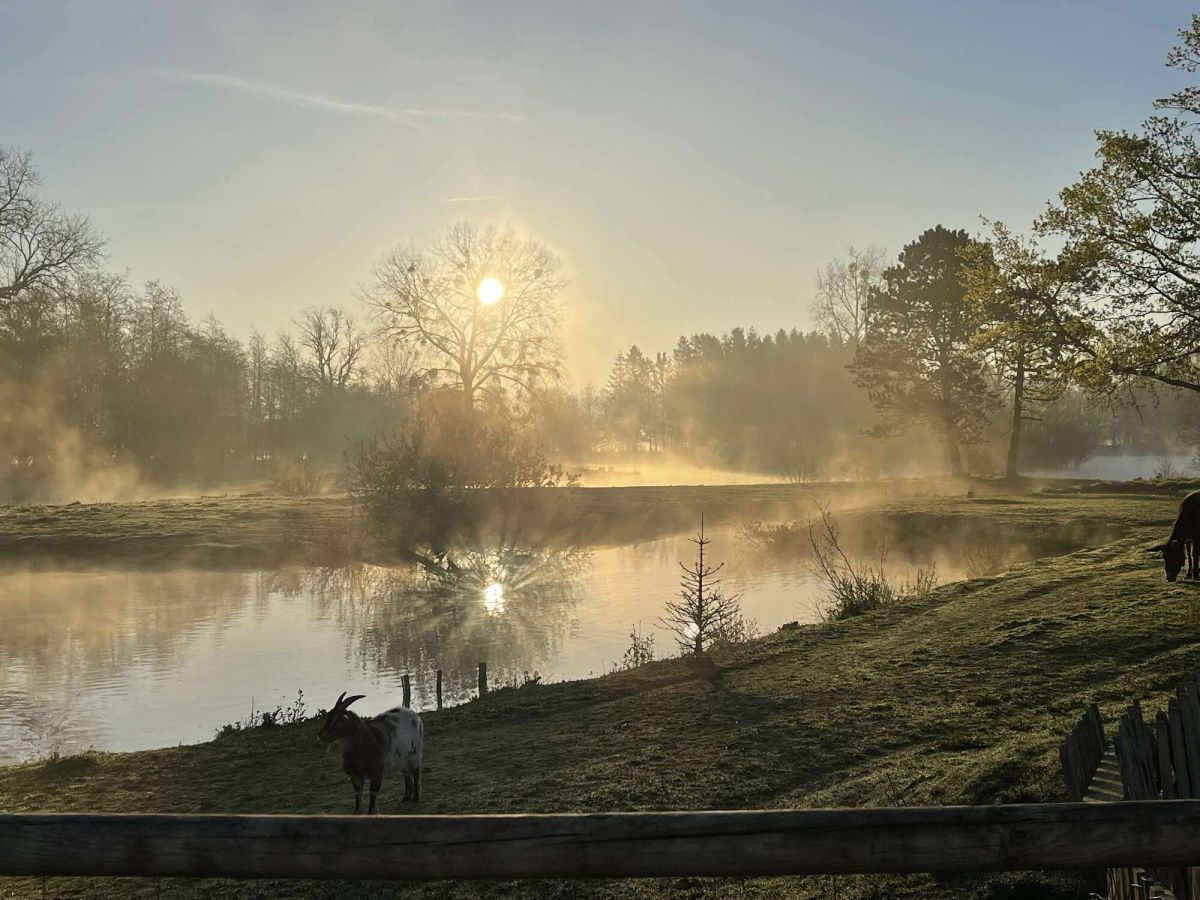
x: 131, y: 659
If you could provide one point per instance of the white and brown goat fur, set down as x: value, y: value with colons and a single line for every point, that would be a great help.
x: 371, y: 748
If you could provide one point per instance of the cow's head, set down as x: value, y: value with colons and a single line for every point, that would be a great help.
x: 1173, y: 557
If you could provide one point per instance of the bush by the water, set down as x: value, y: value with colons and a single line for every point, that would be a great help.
x: 294, y: 712
x: 423, y: 482
x: 639, y: 652
x: 296, y: 477
x: 854, y: 587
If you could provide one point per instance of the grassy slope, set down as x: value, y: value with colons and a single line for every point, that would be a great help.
x: 961, y: 698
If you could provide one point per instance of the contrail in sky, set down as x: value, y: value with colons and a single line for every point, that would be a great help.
x: 411, y: 117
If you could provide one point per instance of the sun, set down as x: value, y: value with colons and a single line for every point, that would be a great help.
x: 489, y: 291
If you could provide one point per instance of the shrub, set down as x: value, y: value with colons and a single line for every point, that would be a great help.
x: 639, y: 652
x: 291, y: 714
x: 853, y: 588
x: 423, y: 483
x: 1166, y: 470
x: 296, y: 477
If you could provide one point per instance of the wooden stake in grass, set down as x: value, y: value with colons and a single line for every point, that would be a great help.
x: 439, y: 688
x: 702, y: 613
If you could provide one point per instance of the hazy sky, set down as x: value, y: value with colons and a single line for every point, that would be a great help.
x: 694, y: 164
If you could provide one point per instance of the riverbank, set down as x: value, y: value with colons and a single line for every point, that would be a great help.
x: 261, y: 530
x: 962, y: 697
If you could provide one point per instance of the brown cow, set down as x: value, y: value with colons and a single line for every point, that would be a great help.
x: 1184, y: 542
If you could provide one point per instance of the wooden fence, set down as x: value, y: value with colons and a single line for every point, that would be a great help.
x: 618, y: 845
x: 1159, y: 762
x: 1082, y: 752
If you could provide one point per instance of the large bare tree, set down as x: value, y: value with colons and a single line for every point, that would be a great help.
x: 334, y: 345
x: 40, y: 243
x: 843, y: 287
x: 483, y: 303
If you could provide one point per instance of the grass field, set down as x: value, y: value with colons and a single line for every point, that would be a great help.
x: 962, y: 697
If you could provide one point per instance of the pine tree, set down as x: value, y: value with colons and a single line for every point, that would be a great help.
x: 919, y: 360
x: 702, y: 613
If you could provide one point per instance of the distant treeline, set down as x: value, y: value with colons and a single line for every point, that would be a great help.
x: 973, y: 354
x: 95, y: 374
x: 787, y: 404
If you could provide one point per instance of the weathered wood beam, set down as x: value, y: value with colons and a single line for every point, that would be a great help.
x: 618, y: 845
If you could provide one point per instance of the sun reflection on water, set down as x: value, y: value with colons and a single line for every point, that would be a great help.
x: 493, y: 598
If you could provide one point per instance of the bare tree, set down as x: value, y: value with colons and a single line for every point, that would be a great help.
x: 287, y: 382
x: 334, y: 345
x: 483, y: 302
x: 394, y: 368
x: 40, y: 244
x: 843, y: 286
x: 702, y: 614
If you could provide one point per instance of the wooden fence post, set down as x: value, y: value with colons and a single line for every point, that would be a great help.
x: 1183, y: 784
x: 407, y: 685
x: 1190, y: 709
x: 483, y: 687
x: 439, y: 688
x: 1166, y: 768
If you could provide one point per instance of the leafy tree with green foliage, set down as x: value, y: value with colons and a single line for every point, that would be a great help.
x: 1031, y: 307
x: 1136, y: 217
x: 920, y: 360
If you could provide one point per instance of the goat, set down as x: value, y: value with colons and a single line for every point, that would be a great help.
x: 1184, y: 542
x: 372, y: 747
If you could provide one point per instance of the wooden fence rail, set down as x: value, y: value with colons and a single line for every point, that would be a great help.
x: 618, y: 845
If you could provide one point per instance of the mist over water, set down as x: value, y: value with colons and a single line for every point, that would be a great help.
x: 133, y: 659
x: 1123, y: 467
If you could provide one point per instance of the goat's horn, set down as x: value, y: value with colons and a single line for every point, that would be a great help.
x: 350, y: 700
x: 339, y: 701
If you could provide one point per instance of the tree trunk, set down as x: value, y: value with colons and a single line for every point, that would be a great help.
x: 1014, y: 439
x: 952, y: 452
x: 468, y: 396
x: 953, y: 457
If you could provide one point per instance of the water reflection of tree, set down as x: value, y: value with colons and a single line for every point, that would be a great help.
x: 511, y: 608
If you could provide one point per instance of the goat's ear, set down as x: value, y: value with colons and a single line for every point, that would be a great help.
x: 1159, y: 549
x: 350, y: 700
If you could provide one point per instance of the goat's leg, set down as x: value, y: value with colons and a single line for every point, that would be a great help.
x: 1194, y: 558
x: 408, y: 785
x: 357, y: 781
x: 376, y: 786
x: 416, y: 777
